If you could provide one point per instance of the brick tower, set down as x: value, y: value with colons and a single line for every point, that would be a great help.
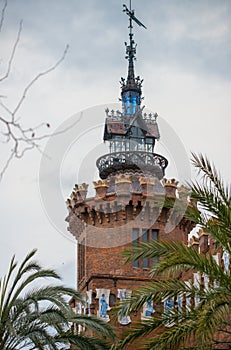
x: 133, y: 202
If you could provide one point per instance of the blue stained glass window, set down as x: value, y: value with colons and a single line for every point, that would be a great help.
x: 127, y: 102
x: 130, y: 101
x: 134, y: 104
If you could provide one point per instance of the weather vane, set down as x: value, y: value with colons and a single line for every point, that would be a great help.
x: 131, y: 48
x: 131, y: 15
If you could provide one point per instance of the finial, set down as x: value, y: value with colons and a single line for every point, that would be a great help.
x: 131, y: 88
x: 131, y: 48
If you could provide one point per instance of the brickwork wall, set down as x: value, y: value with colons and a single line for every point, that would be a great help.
x: 106, y: 222
x: 103, y: 226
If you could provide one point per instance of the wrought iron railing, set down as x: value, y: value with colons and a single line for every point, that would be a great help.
x: 140, y: 161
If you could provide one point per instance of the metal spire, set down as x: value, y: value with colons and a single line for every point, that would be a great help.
x: 131, y: 48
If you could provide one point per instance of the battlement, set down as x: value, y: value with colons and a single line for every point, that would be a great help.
x: 133, y: 185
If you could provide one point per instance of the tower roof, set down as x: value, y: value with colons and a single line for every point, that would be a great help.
x: 131, y: 133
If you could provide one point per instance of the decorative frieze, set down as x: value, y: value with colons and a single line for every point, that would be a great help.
x: 147, y: 311
x: 188, y: 297
x: 89, y: 300
x: 206, y: 281
x: 216, y: 257
x: 103, y: 295
x: 168, y: 307
x: 196, y: 283
x: 124, y: 294
x: 180, y: 302
x: 226, y: 261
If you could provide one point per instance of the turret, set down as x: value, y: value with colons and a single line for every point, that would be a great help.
x: 131, y: 133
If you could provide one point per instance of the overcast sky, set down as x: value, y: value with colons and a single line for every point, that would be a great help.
x: 184, y: 57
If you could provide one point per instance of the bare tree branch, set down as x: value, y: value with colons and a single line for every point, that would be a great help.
x: 37, y: 77
x: 7, y: 163
x: 23, y: 139
x: 3, y: 15
x: 6, y: 75
x: 28, y: 140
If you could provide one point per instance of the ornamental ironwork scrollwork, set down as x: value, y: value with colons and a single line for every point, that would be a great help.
x: 112, y: 162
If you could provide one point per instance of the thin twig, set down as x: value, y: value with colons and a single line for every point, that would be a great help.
x: 37, y: 77
x: 32, y: 143
x: 24, y: 139
x: 6, y: 75
x: 6, y: 164
x: 6, y: 108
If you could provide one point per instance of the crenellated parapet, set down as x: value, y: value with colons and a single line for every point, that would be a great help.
x: 135, y: 188
x: 119, y: 185
x: 78, y: 195
x: 123, y: 198
x: 147, y: 185
x: 81, y: 191
x: 101, y: 188
x: 170, y: 187
x: 123, y: 184
x: 170, y: 182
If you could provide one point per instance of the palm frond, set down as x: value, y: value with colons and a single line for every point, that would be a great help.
x: 93, y: 323
x: 208, y: 170
x: 83, y: 342
x: 140, y: 330
x: 40, y: 317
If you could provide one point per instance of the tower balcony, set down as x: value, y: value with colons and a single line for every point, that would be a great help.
x: 138, y: 161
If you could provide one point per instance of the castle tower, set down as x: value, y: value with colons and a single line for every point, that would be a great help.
x: 133, y: 202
